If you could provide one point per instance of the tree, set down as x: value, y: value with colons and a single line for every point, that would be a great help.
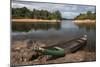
x: 87, y: 15
x: 35, y: 14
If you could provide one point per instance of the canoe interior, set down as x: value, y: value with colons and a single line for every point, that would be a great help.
x: 70, y: 46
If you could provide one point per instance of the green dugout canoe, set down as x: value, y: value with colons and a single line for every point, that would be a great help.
x: 56, y: 51
x: 63, y: 48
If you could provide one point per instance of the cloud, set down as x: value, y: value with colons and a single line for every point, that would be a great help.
x: 67, y: 10
x: 70, y: 15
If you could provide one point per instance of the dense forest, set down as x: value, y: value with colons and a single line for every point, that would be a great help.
x: 19, y: 13
x: 88, y: 15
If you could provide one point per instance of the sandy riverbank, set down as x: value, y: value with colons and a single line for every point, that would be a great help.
x: 84, y: 21
x: 34, y: 20
x: 22, y: 54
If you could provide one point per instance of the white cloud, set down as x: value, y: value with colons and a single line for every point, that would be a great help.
x: 67, y: 10
x: 70, y: 15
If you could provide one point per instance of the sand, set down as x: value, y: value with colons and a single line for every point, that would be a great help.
x: 21, y: 54
x: 84, y: 21
x: 34, y: 20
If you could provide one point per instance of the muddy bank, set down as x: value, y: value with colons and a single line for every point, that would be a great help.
x: 22, y: 53
x: 79, y: 56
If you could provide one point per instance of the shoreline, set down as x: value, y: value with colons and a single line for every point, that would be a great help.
x: 84, y: 21
x: 22, y: 49
x: 34, y: 20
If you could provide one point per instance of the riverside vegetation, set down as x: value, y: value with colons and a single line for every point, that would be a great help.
x: 88, y: 17
x: 25, y: 13
x: 20, y: 13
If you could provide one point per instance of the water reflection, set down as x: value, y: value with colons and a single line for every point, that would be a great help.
x: 90, y: 30
x: 25, y: 27
x: 66, y: 30
x: 87, y: 26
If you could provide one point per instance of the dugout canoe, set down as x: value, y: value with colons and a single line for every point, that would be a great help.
x: 63, y: 48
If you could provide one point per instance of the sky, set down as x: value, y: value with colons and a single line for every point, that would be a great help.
x: 68, y: 11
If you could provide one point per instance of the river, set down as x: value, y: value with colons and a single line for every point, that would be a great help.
x: 66, y: 30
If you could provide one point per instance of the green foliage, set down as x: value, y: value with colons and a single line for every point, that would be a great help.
x: 88, y: 15
x: 34, y: 14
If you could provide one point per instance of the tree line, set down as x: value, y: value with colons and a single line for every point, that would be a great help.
x: 19, y: 13
x: 87, y: 15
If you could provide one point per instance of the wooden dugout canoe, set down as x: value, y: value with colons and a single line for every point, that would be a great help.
x: 63, y: 48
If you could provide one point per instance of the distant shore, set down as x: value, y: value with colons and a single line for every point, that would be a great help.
x: 84, y: 21
x: 34, y: 20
